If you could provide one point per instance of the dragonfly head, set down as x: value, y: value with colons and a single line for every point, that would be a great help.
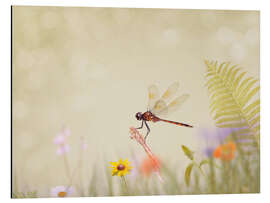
x: 139, y: 116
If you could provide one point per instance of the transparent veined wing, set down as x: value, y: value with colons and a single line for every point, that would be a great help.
x: 153, y: 96
x: 176, y: 103
x: 159, y: 107
x: 170, y: 92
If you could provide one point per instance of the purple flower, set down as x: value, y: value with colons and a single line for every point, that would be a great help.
x: 209, y: 151
x: 213, y: 137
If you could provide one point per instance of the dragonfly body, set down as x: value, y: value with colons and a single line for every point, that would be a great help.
x: 148, y: 116
x: 158, y: 106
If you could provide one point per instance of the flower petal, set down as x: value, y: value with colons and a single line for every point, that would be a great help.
x: 56, y: 190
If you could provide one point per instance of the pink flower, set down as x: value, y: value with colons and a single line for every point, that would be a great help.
x: 60, y: 140
x: 61, y: 136
x: 62, y: 149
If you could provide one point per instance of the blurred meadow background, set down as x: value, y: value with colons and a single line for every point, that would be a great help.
x: 81, y: 74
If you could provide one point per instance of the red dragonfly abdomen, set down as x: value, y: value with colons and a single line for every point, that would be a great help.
x: 176, y: 123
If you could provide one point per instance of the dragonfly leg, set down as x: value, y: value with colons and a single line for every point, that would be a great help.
x: 148, y: 130
x: 141, y: 126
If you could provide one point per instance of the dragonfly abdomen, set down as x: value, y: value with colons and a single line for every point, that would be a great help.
x: 176, y: 123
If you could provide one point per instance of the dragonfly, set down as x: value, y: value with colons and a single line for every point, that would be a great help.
x: 161, y: 106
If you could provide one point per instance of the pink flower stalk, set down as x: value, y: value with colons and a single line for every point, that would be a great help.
x: 135, y: 134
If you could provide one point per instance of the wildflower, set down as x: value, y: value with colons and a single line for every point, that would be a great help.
x: 60, y: 140
x: 62, y: 191
x: 121, y: 168
x: 62, y: 149
x: 209, y: 151
x: 214, y: 137
x: 61, y: 136
x: 150, y: 165
x: 225, y: 151
x: 135, y: 134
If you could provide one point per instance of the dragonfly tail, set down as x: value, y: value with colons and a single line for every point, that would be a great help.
x: 177, y: 123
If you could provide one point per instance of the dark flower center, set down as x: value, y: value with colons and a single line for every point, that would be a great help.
x: 120, y: 167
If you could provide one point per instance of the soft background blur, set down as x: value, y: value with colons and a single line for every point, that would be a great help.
x: 89, y: 69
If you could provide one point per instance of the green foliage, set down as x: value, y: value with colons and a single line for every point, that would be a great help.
x: 188, y: 152
x: 234, y: 101
x: 190, y: 155
x: 229, y: 177
x: 203, y: 162
x: 32, y: 194
x: 188, y: 172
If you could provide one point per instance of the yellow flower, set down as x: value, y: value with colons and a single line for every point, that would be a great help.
x: 120, y: 168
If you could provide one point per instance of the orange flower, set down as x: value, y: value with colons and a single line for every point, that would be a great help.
x: 149, y: 165
x: 225, y: 151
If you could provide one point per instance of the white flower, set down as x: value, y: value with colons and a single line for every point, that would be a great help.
x: 62, y: 191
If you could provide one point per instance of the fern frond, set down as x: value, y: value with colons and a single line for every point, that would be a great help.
x: 232, y: 102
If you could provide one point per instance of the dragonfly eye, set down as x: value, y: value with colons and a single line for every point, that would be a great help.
x: 139, y: 116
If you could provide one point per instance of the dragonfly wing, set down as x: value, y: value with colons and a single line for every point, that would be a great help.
x: 159, y: 107
x: 153, y: 96
x: 171, y: 91
x: 176, y: 103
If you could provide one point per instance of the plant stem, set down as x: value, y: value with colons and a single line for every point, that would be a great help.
x: 124, y: 180
x: 67, y: 167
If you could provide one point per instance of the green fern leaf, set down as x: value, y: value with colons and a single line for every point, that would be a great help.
x: 246, y: 99
x: 230, y: 93
x: 251, y: 106
x: 242, y: 85
x: 238, y: 79
x: 247, y: 89
x: 253, y: 113
x: 226, y: 113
